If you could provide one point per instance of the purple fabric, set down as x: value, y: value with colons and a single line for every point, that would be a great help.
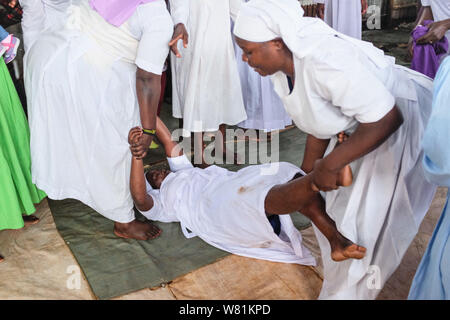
x: 427, y: 57
x: 116, y: 12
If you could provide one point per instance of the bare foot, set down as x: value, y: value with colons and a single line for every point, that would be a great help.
x: 137, y: 230
x: 30, y: 220
x: 343, y: 249
x: 1, y: 259
x: 345, y: 177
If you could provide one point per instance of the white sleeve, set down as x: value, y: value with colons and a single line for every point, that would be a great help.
x: 426, y: 3
x: 153, y: 47
x: 179, y: 163
x: 319, y: 1
x: 179, y: 9
x: 235, y: 6
x: 343, y: 80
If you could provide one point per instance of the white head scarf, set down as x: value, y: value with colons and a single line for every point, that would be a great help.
x: 265, y: 20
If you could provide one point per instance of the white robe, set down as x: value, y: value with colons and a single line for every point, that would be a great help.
x: 206, y: 87
x: 226, y: 209
x: 344, y: 16
x: 336, y: 87
x: 80, y: 78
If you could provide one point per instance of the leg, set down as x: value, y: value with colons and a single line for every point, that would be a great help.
x: 297, y: 195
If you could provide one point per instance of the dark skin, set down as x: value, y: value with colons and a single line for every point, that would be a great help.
x: 148, y: 90
x: 302, y: 198
x: 273, y: 56
x: 436, y: 30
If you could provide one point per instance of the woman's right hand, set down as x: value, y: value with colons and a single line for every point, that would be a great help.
x: 180, y: 33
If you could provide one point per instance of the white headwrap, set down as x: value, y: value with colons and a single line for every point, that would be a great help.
x: 265, y: 20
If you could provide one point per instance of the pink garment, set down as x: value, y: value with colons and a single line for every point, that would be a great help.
x: 116, y: 12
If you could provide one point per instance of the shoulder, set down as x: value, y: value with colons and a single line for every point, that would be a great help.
x: 153, y: 12
x: 332, y: 54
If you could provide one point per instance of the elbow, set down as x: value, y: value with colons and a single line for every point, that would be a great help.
x: 398, y: 119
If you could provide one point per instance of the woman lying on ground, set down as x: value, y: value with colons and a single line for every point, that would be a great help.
x: 234, y: 210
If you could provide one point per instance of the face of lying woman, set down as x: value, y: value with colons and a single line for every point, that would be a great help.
x: 266, y: 58
x: 156, y: 177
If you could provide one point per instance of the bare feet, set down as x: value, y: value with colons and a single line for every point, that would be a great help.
x: 345, y: 176
x: 137, y: 230
x: 30, y: 220
x: 343, y: 249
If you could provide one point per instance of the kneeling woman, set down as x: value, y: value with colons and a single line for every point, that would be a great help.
x: 331, y: 83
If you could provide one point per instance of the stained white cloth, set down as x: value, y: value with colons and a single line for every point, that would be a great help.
x: 344, y: 16
x: 441, y: 11
x: 264, y: 108
x: 205, y: 80
x: 226, y: 210
x: 339, y: 84
x: 81, y: 91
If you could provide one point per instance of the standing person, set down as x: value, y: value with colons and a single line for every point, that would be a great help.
x: 437, y: 11
x: 339, y: 84
x: 18, y: 194
x: 432, y: 279
x: 344, y: 16
x: 264, y: 108
x: 112, y: 54
x: 206, y: 88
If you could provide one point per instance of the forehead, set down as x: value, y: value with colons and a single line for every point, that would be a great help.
x: 248, y: 45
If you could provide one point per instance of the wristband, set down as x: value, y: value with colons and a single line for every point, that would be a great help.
x: 151, y: 132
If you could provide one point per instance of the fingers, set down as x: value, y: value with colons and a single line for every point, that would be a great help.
x: 175, y: 51
x: 185, y: 40
x: 175, y: 39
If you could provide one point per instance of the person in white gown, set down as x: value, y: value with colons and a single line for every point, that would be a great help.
x: 244, y: 212
x: 329, y: 83
x: 264, y: 108
x: 344, y: 16
x: 205, y: 80
x: 87, y: 82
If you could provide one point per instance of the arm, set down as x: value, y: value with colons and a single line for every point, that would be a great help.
x: 142, y: 200
x: 366, y: 138
x: 164, y: 136
x: 364, y: 7
x: 148, y: 89
x: 426, y: 14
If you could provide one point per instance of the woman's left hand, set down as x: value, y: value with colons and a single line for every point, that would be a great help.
x: 140, y: 149
x: 324, y: 179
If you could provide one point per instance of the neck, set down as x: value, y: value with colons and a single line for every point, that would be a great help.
x: 288, y: 66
